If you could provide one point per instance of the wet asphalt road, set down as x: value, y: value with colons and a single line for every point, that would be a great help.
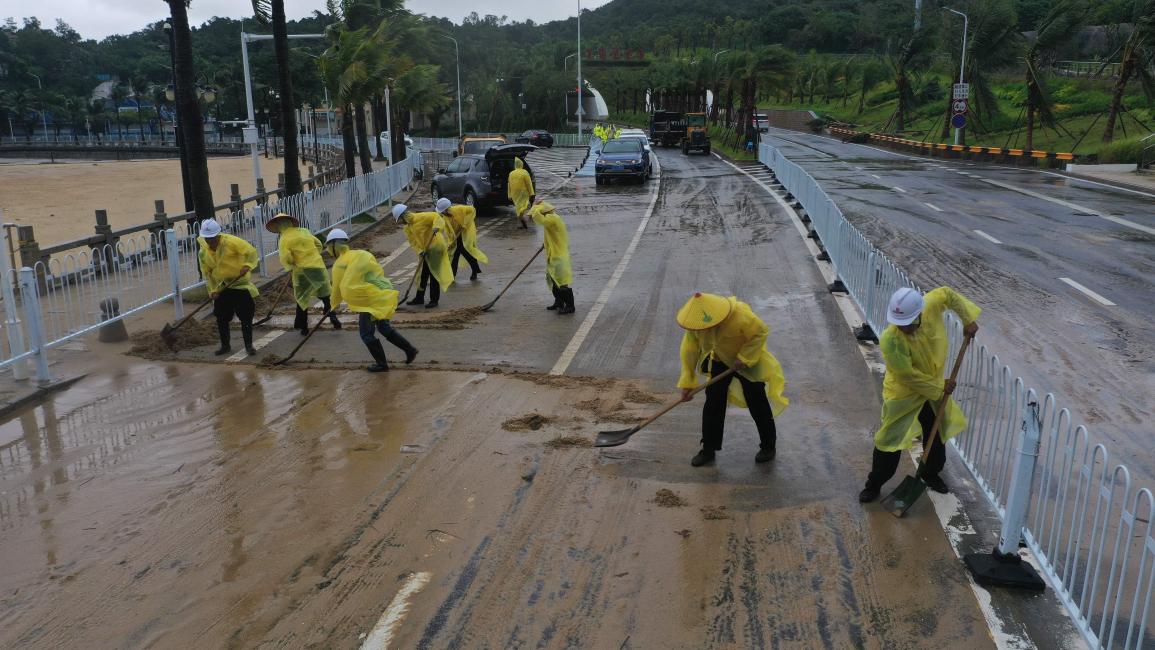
x: 992, y: 233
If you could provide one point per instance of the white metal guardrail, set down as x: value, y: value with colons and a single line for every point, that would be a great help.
x: 74, y: 294
x: 1087, y: 524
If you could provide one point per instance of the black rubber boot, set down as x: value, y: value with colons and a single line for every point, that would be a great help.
x: 434, y: 294
x: 868, y: 494
x: 705, y: 456
x: 378, y: 352
x: 400, y: 341
x: 223, y: 332
x: 336, y: 322
x: 247, y: 335
x: 567, y: 301
x: 418, y: 298
x: 764, y: 455
x: 557, y: 300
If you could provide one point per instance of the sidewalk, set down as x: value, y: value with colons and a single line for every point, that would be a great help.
x: 1138, y: 181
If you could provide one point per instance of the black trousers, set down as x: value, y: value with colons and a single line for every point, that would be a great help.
x: 427, y: 280
x: 234, y: 302
x: 885, y: 463
x: 461, y: 252
x: 301, y: 322
x: 714, y: 411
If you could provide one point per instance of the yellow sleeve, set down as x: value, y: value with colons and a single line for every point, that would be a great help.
x: 252, y: 259
x: 412, y: 239
x: 967, y: 311
x: 756, y: 332
x: 319, y: 245
x: 691, y: 353
x: 338, y: 276
x: 207, y: 269
x: 285, y: 251
x: 900, y: 366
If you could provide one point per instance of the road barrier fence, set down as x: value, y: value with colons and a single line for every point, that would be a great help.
x: 72, y: 294
x: 1087, y: 523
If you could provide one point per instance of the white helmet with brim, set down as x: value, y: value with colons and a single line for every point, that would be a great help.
x: 905, y: 306
x: 336, y: 234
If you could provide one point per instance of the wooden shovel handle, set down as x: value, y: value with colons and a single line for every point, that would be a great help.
x: 669, y: 407
x: 509, y: 284
x: 945, y: 399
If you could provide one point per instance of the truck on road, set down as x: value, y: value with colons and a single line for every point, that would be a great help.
x: 667, y: 128
x: 696, y: 138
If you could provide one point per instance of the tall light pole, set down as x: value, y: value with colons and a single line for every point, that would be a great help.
x: 716, y: 55
x: 580, y: 108
x: 962, y: 62
x: 460, y: 131
x: 565, y: 63
x: 43, y: 118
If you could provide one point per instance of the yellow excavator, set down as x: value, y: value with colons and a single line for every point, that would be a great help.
x: 696, y: 138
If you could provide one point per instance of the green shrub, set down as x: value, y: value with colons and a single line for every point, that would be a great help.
x: 1121, y: 152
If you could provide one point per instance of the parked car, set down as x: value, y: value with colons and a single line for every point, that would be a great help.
x: 629, y: 134
x: 480, y: 179
x: 536, y: 137
x: 384, y: 137
x: 623, y: 158
x: 479, y: 144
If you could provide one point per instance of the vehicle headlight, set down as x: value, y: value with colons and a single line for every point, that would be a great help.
x: 601, y: 161
x: 632, y: 162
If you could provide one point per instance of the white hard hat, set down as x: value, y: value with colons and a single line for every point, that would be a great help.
x: 399, y: 210
x: 443, y: 204
x: 210, y: 228
x: 905, y: 306
x: 336, y: 234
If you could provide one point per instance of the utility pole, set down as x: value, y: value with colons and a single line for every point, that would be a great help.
x: 460, y: 130
x: 962, y: 63
x: 580, y: 108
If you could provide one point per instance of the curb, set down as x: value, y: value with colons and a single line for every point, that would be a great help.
x: 1109, y: 181
x: 37, y: 395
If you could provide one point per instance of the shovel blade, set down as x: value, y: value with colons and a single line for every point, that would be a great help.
x: 614, y: 438
x: 904, y: 496
x: 489, y: 305
x: 166, y: 335
x: 263, y: 321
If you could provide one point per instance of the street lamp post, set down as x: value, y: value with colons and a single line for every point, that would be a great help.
x: 178, y: 136
x: 43, y: 117
x: 580, y: 108
x: 565, y: 63
x: 457, y: 52
x: 962, y: 63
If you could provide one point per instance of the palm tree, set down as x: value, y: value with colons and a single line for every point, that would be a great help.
x: 75, y: 108
x: 159, y: 94
x: 119, y: 93
x: 993, y: 44
x: 420, y: 91
x: 139, y: 86
x: 756, y: 73
x: 1137, y: 60
x: 870, y: 73
x: 913, y: 52
x: 96, y: 115
x: 274, y: 11
x: 192, y: 124
x: 1061, y: 22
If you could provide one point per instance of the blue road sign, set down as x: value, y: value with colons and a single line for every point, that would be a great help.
x: 958, y: 121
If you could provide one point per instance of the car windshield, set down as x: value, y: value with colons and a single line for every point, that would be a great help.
x: 621, y: 146
x: 481, y: 146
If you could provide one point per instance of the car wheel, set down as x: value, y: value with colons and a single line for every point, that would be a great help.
x: 470, y: 198
x: 436, y: 191
x: 706, y: 151
x: 598, y: 180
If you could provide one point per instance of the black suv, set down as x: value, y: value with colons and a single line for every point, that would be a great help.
x: 537, y: 138
x: 480, y: 179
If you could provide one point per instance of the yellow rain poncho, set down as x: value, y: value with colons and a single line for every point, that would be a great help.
x: 914, y: 372
x: 740, y: 336
x: 419, y: 231
x: 462, y: 219
x: 520, y: 187
x: 558, y: 269
x: 224, y: 264
x: 360, y: 281
x: 300, y: 254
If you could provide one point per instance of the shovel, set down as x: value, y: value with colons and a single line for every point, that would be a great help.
x: 489, y: 305
x: 168, y: 333
x: 912, y: 487
x: 615, y: 438
x: 420, y: 263
x: 320, y: 322
x: 273, y: 305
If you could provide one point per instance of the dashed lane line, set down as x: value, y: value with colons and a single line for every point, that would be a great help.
x: 1093, y: 295
x: 1073, y: 206
x: 933, y: 207
x: 875, y: 176
x: 986, y: 237
x: 382, y: 633
x: 257, y: 345
x: 898, y: 189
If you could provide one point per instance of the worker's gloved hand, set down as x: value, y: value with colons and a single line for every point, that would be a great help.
x: 687, y: 394
x: 213, y: 294
x: 739, y: 365
x: 948, y: 386
x: 970, y: 330
x: 244, y: 271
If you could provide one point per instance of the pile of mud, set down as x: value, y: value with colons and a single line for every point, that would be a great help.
x: 193, y: 334
x: 609, y: 409
x: 527, y: 422
x: 455, y: 319
x: 714, y: 513
x: 666, y: 498
x: 566, y: 442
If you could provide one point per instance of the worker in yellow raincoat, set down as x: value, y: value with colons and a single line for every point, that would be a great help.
x: 462, y: 221
x: 520, y: 189
x: 225, y: 263
x: 558, y: 268
x: 428, y: 235
x: 915, y: 348
x: 300, y: 254
x: 360, y: 282
x: 723, y: 333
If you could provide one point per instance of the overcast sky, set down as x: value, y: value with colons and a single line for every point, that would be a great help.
x: 99, y: 18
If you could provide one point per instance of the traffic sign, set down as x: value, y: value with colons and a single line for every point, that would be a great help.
x: 961, y: 91
x: 959, y: 106
x: 959, y: 120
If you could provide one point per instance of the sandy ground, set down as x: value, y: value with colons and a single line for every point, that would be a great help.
x: 60, y: 199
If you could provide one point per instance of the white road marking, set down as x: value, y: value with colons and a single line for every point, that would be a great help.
x: 1085, y: 290
x: 579, y: 337
x: 395, y: 254
x: 933, y: 207
x: 257, y: 345
x: 895, y: 188
x: 382, y: 632
x: 1074, y: 179
x: 987, y: 237
x: 1073, y: 206
x: 874, y: 175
